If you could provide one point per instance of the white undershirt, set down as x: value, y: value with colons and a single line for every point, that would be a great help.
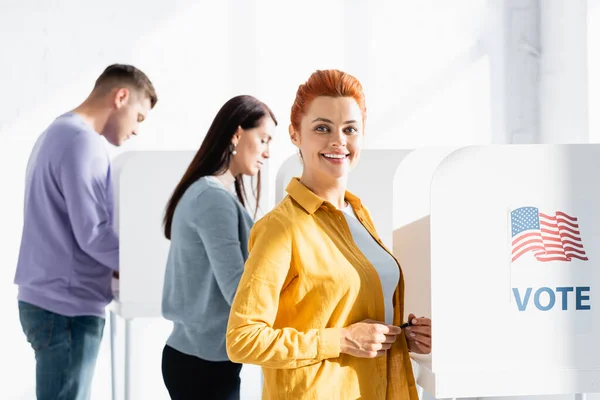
x: 386, y: 266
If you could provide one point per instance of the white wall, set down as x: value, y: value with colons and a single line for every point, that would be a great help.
x: 425, y: 72
x: 593, y: 47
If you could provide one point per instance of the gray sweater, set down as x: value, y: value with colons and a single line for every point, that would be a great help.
x: 209, y: 246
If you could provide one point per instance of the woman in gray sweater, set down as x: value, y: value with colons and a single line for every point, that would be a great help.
x: 208, y: 226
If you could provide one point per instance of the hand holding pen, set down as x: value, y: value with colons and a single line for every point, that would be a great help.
x: 418, y: 334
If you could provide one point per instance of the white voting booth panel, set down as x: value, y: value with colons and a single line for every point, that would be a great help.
x: 411, y: 210
x: 143, y: 182
x: 411, y: 239
x: 513, y: 255
x: 371, y: 180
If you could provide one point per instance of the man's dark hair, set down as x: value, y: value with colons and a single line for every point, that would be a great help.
x: 121, y: 75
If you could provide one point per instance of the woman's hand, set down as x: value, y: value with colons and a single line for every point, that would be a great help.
x: 418, y: 336
x: 368, y: 338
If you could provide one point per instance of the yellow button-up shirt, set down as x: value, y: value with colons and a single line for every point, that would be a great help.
x: 304, y: 279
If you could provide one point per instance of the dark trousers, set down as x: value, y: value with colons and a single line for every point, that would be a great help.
x: 187, y: 377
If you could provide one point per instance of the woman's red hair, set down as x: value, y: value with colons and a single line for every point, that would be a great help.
x: 332, y: 83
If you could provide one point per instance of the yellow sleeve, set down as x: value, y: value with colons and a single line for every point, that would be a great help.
x: 251, y: 338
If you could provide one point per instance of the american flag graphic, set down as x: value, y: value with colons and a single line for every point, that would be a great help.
x: 549, y: 237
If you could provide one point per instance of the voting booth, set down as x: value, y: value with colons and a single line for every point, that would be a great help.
x: 143, y: 183
x: 500, y: 247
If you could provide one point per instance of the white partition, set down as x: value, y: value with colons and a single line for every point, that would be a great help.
x: 371, y: 180
x: 411, y: 210
x: 411, y: 238
x: 144, y: 180
x: 509, y: 318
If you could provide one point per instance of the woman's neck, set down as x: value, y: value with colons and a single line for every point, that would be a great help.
x: 227, y: 178
x: 331, y: 190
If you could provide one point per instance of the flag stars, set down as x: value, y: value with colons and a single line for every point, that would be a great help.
x: 524, y: 218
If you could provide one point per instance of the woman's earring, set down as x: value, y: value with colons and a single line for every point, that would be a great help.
x: 234, y: 151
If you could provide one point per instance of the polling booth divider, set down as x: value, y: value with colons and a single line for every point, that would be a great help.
x: 143, y: 182
x: 505, y: 262
x: 498, y: 245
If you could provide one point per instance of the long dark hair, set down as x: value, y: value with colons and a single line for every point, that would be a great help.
x: 214, y: 155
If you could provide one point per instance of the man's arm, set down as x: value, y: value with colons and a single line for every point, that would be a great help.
x: 83, y: 172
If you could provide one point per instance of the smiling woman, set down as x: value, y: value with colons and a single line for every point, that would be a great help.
x: 327, y: 123
x: 330, y: 146
x: 321, y: 299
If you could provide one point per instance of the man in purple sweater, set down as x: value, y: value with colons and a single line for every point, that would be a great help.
x: 69, y: 249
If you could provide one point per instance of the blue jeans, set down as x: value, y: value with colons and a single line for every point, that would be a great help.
x: 66, y: 349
